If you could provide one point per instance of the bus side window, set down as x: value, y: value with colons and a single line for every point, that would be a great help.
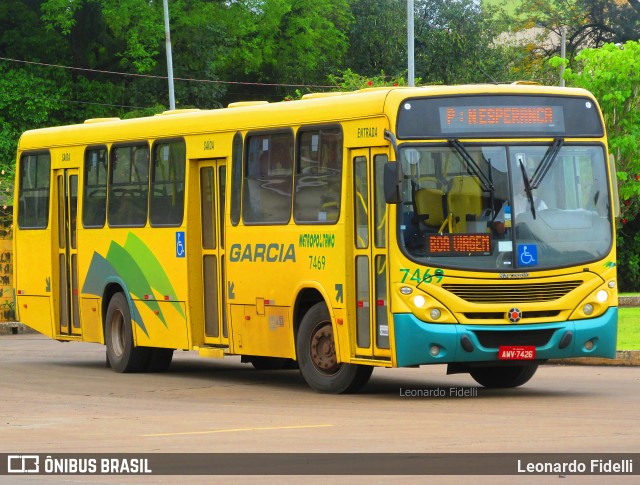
x: 128, y: 186
x: 166, y: 204
x: 94, y: 199
x: 33, y: 195
x: 318, y: 176
x: 268, y: 178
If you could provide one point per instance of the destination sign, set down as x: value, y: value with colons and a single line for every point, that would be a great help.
x: 491, y: 116
x: 488, y: 119
x: 459, y: 244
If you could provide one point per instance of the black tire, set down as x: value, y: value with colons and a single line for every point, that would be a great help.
x: 317, y: 356
x: 503, y: 376
x: 123, y: 355
x: 159, y: 360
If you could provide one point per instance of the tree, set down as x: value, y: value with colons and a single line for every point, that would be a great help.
x: 454, y: 42
x: 137, y: 25
x: 281, y: 42
x: 28, y: 97
x: 349, y: 80
x: 612, y: 74
x: 587, y: 23
x: 68, y: 60
x: 378, y: 37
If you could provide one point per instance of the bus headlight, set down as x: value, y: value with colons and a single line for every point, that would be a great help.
x: 602, y: 296
x: 422, y: 306
x: 588, y: 309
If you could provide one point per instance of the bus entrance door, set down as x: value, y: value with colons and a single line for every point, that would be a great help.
x: 66, y: 186
x: 212, y: 193
x: 370, y: 261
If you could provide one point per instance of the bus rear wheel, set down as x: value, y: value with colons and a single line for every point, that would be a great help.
x: 122, y: 354
x: 316, y: 352
x: 503, y: 376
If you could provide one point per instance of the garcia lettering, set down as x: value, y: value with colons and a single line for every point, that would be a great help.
x: 263, y: 253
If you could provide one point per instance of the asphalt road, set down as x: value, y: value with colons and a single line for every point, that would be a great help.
x: 61, y: 398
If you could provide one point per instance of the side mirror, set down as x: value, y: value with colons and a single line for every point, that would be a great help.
x: 614, y: 183
x: 393, y: 182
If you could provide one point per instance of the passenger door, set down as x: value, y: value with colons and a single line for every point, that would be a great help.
x: 212, y: 197
x: 66, y: 187
x: 369, y: 249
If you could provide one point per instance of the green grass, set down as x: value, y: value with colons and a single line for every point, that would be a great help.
x: 629, y: 328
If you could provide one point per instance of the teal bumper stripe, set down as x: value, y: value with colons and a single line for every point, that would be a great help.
x: 414, y: 339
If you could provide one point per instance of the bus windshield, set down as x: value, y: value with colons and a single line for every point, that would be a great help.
x: 495, y: 207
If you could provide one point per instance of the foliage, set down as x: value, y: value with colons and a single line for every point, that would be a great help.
x: 138, y: 24
x: 27, y: 100
x: 454, y: 43
x: 629, y: 255
x: 587, y: 23
x: 270, y: 41
x: 535, y: 30
x: 281, y: 41
x: 612, y: 74
x: 352, y: 81
x: 378, y: 37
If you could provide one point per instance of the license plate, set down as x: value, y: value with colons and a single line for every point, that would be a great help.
x: 512, y: 352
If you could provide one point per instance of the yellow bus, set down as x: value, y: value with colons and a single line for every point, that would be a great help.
x: 471, y: 226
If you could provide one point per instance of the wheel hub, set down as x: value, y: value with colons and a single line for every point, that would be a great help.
x: 323, y: 351
x: 118, y: 333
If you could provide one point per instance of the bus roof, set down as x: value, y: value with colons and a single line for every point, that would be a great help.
x: 318, y: 109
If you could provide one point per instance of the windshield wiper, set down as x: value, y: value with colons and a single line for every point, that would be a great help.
x: 547, y: 161
x: 472, y: 166
x: 527, y: 189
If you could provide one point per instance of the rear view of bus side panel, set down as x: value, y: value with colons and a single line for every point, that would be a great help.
x: 32, y: 242
x: 137, y: 244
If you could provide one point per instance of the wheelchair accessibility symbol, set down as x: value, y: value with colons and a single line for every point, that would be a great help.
x: 180, y: 248
x: 527, y: 254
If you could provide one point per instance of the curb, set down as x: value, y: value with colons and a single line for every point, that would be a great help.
x: 14, y: 328
x: 629, y: 301
x: 624, y: 358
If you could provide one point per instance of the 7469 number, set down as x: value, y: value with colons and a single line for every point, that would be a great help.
x: 317, y: 262
x: 424, y: 276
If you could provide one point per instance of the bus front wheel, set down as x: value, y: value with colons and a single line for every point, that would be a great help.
x: 122, y: 354
x: 271, y: 363
x: 503, y: 376
x: 317, y: 358
x: 159, y: 360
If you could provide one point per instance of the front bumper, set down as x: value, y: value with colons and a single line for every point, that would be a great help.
x: 414, y: 339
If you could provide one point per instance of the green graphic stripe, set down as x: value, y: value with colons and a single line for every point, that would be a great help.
x: 100, y: 271
x: 151, y: 268
x: 138, y: 268
x: 127, y: 267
